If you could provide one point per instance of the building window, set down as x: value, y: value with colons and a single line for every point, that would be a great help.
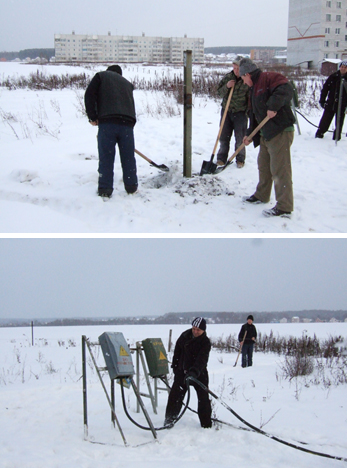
x: 338, y: 5
x: 338, y: 17
x: 327, y: 30
x: 328, y: 4
x: 345, y: 38
x: 327, y: 18
x: 326, y: 56
x: 337, y: 31
x: 326, y: 43
x: 337, y: 43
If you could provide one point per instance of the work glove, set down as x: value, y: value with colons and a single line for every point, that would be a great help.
x: 322, y: 104
x: 189, y: 374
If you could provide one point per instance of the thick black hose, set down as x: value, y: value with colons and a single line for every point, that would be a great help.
x: 156, y: 428
x: 260, y: 431
x: 296, y: 110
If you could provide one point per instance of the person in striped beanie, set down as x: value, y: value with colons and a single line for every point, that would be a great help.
x: 189, y: 363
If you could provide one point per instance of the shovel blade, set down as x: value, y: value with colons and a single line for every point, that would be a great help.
x: 208, y: 167
x: 161, y: 167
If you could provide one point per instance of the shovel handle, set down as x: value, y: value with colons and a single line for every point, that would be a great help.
x: 223, y: 120
x: 249, y: 138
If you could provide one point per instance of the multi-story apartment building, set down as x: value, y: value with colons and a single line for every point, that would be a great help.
x: 317, y: 30
x: 95, y: 48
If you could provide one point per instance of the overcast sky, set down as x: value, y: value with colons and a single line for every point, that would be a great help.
x: 26, y: 24
x: 46, y: 278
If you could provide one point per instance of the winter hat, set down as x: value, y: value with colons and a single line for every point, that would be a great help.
x: 237, y: 60
x: 247, y: 66
x: 199, y: 322
x: 343, y: 63
x: 250, y: 317
x: 115, y: 68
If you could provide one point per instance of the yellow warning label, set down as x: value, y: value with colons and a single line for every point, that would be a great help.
x: 162, y: 356
x: 122, y: 352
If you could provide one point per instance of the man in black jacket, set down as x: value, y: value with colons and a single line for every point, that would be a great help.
x: 110, y: 104
x: 190, y: 360
x: 271, y: 96
x: 247, y: 337
x: 329, y: 101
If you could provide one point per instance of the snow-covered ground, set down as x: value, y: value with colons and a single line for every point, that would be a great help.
x: 49, y: 159
x: 42, y: 417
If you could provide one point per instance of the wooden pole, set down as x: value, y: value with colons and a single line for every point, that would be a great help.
x: 187, y: 115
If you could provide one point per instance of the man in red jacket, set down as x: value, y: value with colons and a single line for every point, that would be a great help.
x: 271, y: 95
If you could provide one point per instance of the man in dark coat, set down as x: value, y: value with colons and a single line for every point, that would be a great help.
x: 329, y: 101
x: 247, y: 337
x: 110, y: 104
x: 190, y: 360
x: 271, y: 96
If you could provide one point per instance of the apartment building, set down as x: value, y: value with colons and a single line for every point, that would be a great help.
x: 317, y: 30
x: 98, y: 48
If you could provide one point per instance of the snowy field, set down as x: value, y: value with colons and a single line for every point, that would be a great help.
x: 49, y: 159
x: 42, y: 417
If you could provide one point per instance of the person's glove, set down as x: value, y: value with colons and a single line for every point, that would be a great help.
x: 322, y: 104
x: 188, y: 380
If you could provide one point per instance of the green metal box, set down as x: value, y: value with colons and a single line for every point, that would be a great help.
x: 156, y: 357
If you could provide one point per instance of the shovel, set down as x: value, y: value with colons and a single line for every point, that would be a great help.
x: 208, y: 167
x: 162, y: 167
x: 244, y: 337
x: 219, y: 169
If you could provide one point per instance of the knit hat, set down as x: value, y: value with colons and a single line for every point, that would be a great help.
x: 343, y: 63
x: 250, y: 317
x: 237, y: 60
x: 199, y: 322
x: 247, y: 66
x: 115, y: 68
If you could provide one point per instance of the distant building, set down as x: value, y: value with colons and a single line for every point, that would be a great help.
x: 317, y: 30
x: 306, y: 320
x: 295, y: 319
x: 333, y: 320
x: 283, y: 320
x: 129, y: 49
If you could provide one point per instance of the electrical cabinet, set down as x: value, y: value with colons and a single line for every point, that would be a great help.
x: 117, y: 355
x: 155, y: 356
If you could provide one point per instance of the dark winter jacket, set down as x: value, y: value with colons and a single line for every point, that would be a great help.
x: 331, y: 89
x: 251, y: 333
x: 270, y: 91
x: 239, y: 100
x: 109, y: 97
x: 191, y: 354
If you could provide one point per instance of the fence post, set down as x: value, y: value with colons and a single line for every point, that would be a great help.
x: 187, y: 114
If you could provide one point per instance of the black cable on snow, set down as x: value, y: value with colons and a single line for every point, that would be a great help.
x: 296, y: 110
x: 156, y: 428
x: 260, y: 431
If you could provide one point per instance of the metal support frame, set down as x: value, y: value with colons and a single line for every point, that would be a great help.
x: 152, y: 394
x: 110, y: 400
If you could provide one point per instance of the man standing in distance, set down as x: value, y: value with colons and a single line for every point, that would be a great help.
x: 110, y: 104
x: 329, y: 101
x: 247, y: 337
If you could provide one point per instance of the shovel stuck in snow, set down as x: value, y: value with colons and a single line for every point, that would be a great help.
x: 208, y: 167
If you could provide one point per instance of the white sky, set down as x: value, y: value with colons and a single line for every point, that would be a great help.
x: 28, y: 24
x: 42, y: 278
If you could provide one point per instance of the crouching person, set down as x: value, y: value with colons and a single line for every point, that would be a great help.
x: 190, y: 359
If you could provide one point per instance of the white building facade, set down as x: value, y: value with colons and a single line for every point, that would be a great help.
x: 95, y: 48
x: 317, y: 30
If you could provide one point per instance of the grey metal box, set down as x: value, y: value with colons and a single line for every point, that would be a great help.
x: 117, y: 355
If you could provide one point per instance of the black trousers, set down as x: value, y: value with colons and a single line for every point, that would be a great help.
x: 176, y: 397
x: 326, y: 120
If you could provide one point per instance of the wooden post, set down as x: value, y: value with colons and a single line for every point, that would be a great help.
x: 170, y: 336
x: 187, y: 114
